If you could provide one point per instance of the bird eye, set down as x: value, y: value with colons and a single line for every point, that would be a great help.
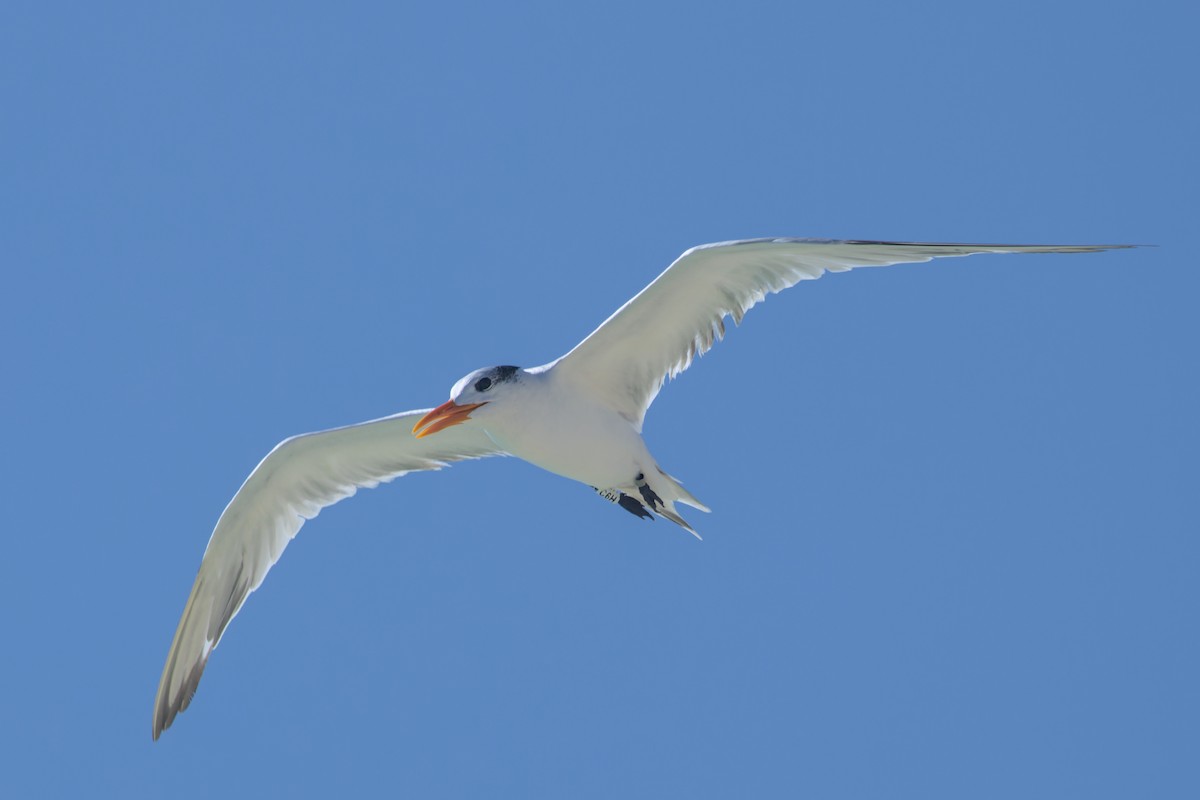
x: 483, y: 384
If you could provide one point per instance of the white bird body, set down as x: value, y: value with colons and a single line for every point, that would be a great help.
x: 590, y: 444
x: 579, y: 416
x: 552, y: 425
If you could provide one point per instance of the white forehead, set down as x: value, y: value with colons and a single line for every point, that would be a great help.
x: 457, y: 389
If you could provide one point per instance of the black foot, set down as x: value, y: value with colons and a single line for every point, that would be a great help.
x: 652, y: 499
x: 634, y: 507
x: 626, y: 502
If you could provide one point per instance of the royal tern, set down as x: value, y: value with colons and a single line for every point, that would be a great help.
x: 579, y: 416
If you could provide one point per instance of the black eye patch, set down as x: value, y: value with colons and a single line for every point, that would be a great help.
x: 483, y: 384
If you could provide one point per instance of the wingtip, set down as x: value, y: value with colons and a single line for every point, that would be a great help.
x: 162, y: 721
x: 164, y: 715
x: 167, y: 704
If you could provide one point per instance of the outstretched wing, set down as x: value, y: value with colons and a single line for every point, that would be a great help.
x: 681, y: 313
x: 292, y: 484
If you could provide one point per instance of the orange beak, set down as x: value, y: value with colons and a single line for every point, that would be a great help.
x: 444, y: 416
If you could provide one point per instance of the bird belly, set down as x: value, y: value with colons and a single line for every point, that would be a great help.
x: 599, y: 449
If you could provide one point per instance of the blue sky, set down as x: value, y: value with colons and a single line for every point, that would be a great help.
x: 953, y: 544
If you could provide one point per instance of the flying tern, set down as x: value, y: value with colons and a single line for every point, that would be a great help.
x: 579, y: 416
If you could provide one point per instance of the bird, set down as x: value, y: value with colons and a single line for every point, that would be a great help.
x: 579, y: 416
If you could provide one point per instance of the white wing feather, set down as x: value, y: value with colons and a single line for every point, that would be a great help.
x: 292, y: 484
x: 680, y: 315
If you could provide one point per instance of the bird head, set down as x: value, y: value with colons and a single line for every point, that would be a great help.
x: 472, y: 391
